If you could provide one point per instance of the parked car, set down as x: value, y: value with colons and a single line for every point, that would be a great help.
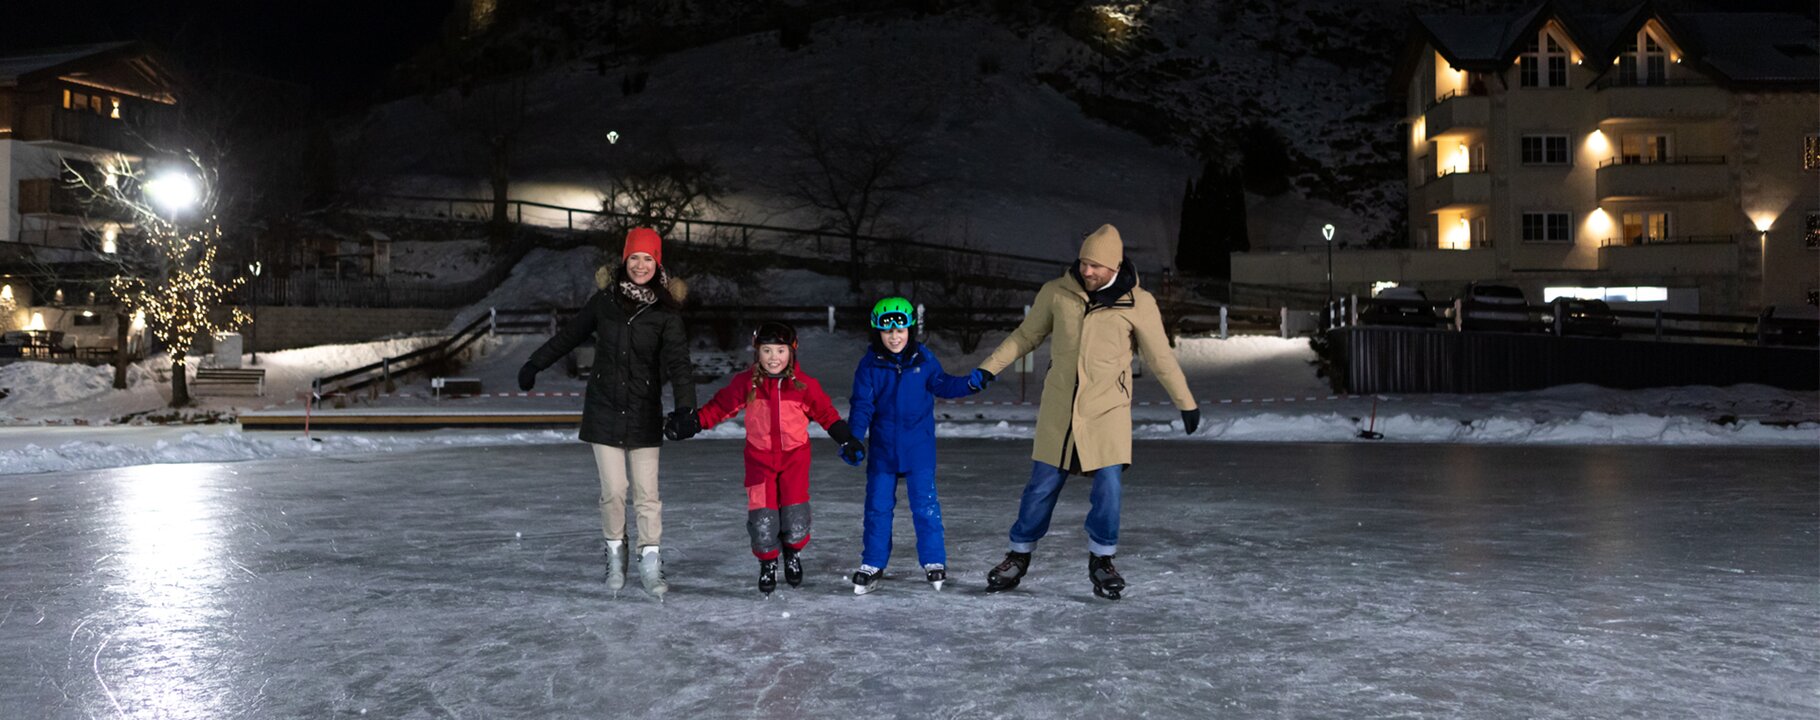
x: 1789, y: 325
x: 1586, y: 317
x: 1496, y: 307
x: 1399, y: 306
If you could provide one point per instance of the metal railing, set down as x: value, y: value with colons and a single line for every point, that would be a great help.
x: 801, y: 242
x: 1670, y: 240
x: 1568, y: 318
x: 381, y: 373
x: 1666, y: 160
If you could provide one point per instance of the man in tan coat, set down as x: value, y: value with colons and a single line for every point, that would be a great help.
x: 1094, y: 314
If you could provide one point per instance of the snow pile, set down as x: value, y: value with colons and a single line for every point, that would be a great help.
x: 228, y: 444
x: 1589, y: 428
x: 34, y: 385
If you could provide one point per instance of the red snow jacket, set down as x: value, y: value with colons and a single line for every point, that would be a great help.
x: 777, y: 417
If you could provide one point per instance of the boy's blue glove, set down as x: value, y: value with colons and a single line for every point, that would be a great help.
x: 852, y: 451
x: 979, y: 379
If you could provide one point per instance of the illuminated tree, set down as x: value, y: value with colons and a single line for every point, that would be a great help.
x: 167, y: 269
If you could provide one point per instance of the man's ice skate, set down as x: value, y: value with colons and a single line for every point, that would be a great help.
x: 1107, y: 582
x: 866, y: 579
x: 767, y: 576
x: 651, y: 572
x: 1008, y: 573
x: 616, y: 565
x: 936, y: 574
x: 793, y: 567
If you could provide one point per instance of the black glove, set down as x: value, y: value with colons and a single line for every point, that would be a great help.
x: 682, y: 424
x: 852, y: 451
x: 979, y: 379
x: 1191, y: 419
x: 527, y: 377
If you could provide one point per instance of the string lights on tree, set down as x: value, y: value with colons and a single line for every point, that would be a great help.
x: 170, y: 279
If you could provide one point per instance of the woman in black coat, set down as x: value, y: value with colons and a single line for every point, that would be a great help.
x: 639, y: 344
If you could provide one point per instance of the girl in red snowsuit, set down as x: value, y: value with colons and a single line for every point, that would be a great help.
x: 779, y: 402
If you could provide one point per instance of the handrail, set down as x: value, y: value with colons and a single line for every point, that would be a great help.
x: 1617, y: 160
x: 809, y: 232
x: 1671, y: 240
x: 450, y: 345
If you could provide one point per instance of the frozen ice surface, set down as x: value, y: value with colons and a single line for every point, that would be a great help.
x: 1268, y: 580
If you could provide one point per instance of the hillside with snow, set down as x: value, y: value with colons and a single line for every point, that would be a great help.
x: 1023, y: 135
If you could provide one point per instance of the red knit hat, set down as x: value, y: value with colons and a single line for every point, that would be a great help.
x: 644, y: 240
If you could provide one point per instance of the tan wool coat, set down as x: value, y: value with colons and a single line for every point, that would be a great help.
x: 1086, y: 404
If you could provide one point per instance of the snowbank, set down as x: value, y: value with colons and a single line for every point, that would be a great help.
x: 144, y: 446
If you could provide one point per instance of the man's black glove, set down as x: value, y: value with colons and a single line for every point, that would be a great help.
x: 1191, y: 419
x: 527, y: 377
x: 979, y: 379
x: 852, y: 451
x: 682, y: 424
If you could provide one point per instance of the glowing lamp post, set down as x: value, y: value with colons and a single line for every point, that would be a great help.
x: 1327, y: 232
x: 253, y: 337
x: 173, y: 192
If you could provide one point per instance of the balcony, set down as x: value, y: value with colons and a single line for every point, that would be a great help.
x: 53, y: 197
x: 78, y: 128
x: 1687, y: 177
x: 1662, y: 100
x: 1453, y: 191
x: 1672, y: 257
x: 1455, y: 113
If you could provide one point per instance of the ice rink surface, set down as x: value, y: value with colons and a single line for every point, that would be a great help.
x: 1268, y: 580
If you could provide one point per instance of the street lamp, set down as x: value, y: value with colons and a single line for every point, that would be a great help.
x: 1327, y: 232
x: 253, y: 337
x: 173, y: 192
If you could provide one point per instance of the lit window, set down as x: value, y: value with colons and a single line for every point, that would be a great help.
x: 1810, y: 152
x: 1645, y: 227
x: 1813, y: 229
x: 1543, y: 63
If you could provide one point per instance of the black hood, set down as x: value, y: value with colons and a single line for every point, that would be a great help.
x: 1106, y: 296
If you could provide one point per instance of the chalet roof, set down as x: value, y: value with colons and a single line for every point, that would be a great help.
x: 14, y: 66
x: 1736, y: 47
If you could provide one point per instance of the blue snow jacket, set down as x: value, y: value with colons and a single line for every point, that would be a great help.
x: 893, y: 401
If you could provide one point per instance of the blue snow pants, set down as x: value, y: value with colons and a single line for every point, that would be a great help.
x: 925, y: 514
x: 1038, y: 504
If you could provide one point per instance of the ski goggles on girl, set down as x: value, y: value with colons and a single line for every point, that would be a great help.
x: 891, y: 321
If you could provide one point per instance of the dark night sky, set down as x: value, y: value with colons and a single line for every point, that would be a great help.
x: 337, y: 48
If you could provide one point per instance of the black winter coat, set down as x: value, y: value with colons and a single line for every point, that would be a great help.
x: 637, y: 348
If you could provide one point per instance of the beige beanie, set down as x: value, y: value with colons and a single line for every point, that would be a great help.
x: 1104, y: 247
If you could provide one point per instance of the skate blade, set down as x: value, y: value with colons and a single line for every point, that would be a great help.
x: 938, y: 585
x: 863, y: 589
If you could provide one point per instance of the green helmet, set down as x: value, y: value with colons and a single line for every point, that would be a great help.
x: 893, y: 312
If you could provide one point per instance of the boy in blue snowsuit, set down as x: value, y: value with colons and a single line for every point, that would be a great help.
x: 893, y: 400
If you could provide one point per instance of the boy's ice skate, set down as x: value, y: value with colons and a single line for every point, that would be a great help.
x: 866, y: 579
x: 1107, y: 582
x: 936, y: 574
x: 1008, y: 573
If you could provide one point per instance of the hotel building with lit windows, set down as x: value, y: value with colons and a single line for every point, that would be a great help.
x: 1671, y: 158
x: 63, y: 108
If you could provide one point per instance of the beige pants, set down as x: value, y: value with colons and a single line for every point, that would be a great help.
x: 612, y: 464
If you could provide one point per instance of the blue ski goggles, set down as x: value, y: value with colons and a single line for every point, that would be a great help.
x: 892, y: 321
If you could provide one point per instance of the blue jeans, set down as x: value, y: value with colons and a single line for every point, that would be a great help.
x: 925, y: 514
x: 1038, y: 505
